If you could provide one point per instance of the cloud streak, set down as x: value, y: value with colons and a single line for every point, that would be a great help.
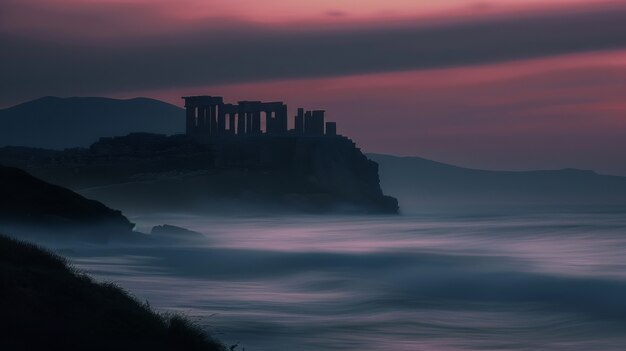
x: 559, y: 112
x: 231, y: 51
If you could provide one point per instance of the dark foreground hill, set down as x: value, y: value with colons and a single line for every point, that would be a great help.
x: 424, y: 185
x: 30, y: 205
x: 58, y: 123
x: 47, y: 305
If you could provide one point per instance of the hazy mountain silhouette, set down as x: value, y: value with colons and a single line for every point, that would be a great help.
x: 57, y: 123
x: 421, y: 184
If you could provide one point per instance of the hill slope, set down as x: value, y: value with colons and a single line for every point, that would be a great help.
x: 29, y: 204
x: 46, y: 305
x: 57, y: 123
x: 421, y: 184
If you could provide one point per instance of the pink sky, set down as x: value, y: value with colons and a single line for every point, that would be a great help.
x: 514, y: 100
x: 115, y: 19
x: 560, y: 112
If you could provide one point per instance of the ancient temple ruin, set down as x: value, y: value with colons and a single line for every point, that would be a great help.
x: 208, y: 117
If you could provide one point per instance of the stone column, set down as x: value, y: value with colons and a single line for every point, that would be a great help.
x: 256, y: 122
x: 241, y: 123
x: 201, y: 122
x: 231, y: 123
x: 221, y: 123
x: 299, y: 122
x: 269, y: 123
x: 318, y: 123
x: 191, y: 120
x: 208, y: 130
x: 214, y: 128
x: 280, y: 123
x: 331, y: 128
x: 248, y: 123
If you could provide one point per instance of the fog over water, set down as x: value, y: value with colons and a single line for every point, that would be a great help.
x: 497, y: 282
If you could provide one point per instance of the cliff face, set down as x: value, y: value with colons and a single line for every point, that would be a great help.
x: 330, y: 169
x: 28, y: 203
x: 302, y: 174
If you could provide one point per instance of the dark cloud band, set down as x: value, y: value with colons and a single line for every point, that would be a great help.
x: 234, y: 52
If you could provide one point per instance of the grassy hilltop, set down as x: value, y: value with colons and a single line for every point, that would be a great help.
x: 46, y: 304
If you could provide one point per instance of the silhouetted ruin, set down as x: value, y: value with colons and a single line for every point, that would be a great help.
x: 239, y: 157
x: 208, y: 117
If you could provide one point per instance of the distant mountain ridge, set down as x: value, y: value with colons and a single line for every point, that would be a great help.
x: 58, y: 123
x: 421, y: 184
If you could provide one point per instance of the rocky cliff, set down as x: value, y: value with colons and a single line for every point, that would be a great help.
x: 147, y: 172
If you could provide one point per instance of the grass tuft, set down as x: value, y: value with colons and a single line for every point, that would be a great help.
x: 47, y: 304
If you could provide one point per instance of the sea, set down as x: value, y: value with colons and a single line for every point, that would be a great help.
x: 550, y: 280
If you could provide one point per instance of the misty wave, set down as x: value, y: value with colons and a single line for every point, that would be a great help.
x: 523, y: 283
